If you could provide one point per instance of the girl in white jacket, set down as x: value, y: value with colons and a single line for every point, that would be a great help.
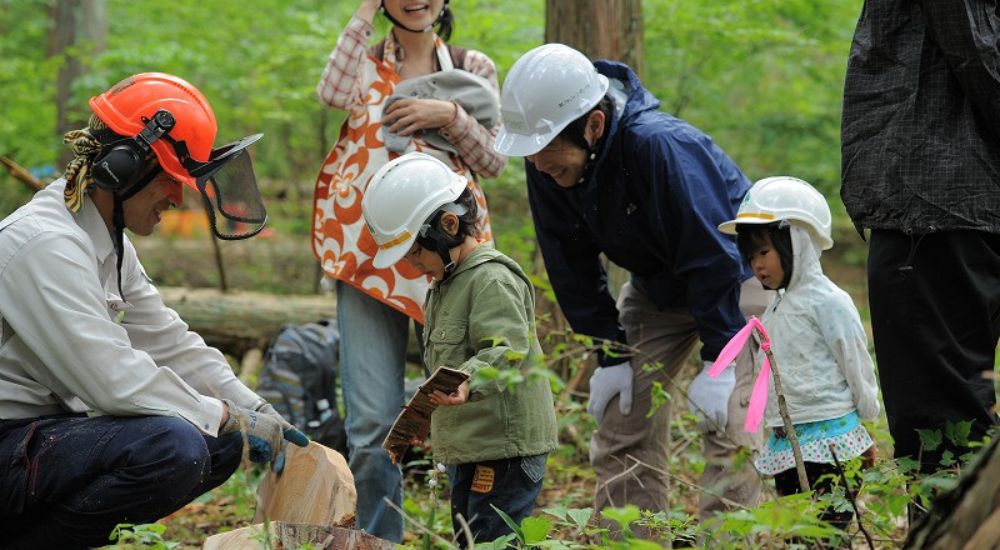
x: 817, y: 339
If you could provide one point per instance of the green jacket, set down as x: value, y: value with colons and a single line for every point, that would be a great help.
x: 484, y: 315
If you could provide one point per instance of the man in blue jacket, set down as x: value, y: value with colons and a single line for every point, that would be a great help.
x: 609, y: 174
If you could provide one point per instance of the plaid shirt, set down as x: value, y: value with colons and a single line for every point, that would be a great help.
x: 921, y: 120
x: 340, y: 87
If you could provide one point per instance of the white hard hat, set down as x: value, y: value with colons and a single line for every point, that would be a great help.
x: 784, y: 198
x: 401, y: 197
x: 545, y: 90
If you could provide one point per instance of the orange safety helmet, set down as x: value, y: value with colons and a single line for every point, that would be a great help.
x: 128, y: 105
x: 165, y: 114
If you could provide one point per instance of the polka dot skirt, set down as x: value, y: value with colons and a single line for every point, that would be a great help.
x: 849, y: 438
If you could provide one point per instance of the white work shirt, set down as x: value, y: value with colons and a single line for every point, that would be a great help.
x: 69, y: 343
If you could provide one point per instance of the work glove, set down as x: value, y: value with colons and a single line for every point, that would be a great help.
x: 265, y: 431
x: 708, y: 398
x: 607, y: 382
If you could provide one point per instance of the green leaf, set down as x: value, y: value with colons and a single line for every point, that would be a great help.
x: 930, y: 439
x: 958, y: 433
x: 535, y: 529
x: 580, y: 516
x: 623, y: 516
x: 510, y: 523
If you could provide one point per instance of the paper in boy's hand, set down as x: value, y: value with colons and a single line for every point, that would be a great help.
x: 414, y: 421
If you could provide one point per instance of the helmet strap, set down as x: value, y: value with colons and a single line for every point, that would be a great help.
x: 118, y: 223
x: 435, y: 238
x: 395, y: 22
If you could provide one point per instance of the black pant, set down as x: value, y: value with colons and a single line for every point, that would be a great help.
x: 935, y: 306
x: 67, y: 481
x: 787, y: 483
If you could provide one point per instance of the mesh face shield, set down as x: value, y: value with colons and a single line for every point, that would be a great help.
x: 229, y: 190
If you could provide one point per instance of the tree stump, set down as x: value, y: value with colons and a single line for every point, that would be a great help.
x: 288, y: 536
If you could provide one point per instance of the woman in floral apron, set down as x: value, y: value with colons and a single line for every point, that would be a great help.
x: 374, y: 306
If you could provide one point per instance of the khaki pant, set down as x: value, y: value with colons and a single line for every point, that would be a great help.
x: 630, y: 453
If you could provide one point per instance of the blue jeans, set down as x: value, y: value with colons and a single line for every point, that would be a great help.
x: 510, y: 484
x: 373, y: 340
x: 66, y: 481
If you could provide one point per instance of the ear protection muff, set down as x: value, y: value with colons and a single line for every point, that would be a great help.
x: 122, y: 163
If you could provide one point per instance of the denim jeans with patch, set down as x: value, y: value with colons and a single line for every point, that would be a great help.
x: 510, y: 484
x: 67, y: 481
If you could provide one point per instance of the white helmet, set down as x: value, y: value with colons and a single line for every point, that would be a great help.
x: 401, y: 197
x: 545, y: 90
x: 784, y: 198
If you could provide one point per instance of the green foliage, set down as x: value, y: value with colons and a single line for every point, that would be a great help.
x: 127, y: 536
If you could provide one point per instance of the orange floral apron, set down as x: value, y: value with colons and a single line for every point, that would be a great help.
x: 340, y: 239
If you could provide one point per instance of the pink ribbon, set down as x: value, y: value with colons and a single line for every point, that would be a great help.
x: 758, y: 397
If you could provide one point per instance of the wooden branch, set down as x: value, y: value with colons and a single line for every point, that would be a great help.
x: 414, y: 421
x: 800, y: 465
x: 850, y: 496
x: 20, y: 174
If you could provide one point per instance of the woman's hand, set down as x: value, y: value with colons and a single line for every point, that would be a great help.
x: 406, y: 116
x: 367, y: 9
x: 868, y: 458
x: 457, y: 397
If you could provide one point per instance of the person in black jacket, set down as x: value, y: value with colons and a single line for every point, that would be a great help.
x: 921, y: 170
x: 609, y: 174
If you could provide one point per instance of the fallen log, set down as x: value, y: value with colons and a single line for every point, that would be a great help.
x: 237, y: 322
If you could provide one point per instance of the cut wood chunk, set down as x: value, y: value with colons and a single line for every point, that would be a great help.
x: 414, y: 421
x: 316, y: 488
x: 287, y: 535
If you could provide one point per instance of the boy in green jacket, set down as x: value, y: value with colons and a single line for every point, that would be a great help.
x: 479, y: 313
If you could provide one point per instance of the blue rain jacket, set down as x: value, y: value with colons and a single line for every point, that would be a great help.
x: 651, y: 203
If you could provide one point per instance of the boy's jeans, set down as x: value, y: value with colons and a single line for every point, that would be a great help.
x: 510, y: 484
x: 67, y: 481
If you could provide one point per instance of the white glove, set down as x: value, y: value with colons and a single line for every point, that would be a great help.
x: 708, y: 398
x: 607, y: 382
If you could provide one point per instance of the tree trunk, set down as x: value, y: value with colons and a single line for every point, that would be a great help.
x: 79, y: 33
x: 601, y: 29
x: 608, y: 29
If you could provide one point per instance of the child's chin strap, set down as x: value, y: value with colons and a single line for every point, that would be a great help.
x: 440, y: 241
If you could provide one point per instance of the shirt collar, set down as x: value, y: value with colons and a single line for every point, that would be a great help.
x: 92, y: 223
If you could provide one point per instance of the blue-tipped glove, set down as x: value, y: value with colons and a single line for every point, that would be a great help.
x: 265, y: 431
x: 708, y: 398
x: 607, y: 382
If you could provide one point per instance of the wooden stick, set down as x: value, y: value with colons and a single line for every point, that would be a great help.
x: 800, y: 465
x: 20, y: 174
x: 850, y: 496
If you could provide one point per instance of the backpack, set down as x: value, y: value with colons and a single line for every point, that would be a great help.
x: 299, y: 379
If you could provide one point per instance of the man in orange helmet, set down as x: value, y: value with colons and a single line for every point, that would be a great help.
x: 111, y: 411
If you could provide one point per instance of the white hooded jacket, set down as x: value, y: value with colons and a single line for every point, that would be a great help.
x: 818, y: 343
